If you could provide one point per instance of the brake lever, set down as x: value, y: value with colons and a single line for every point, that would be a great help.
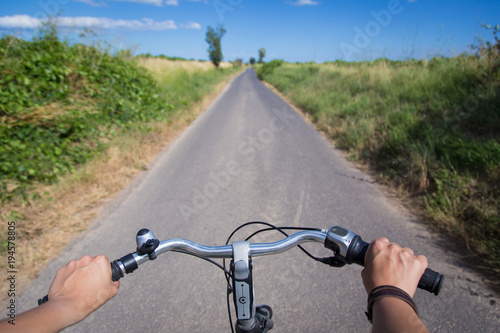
x: 333, y: 262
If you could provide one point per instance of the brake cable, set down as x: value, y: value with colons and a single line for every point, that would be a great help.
x: 206, y: 259
x: 271, y: 227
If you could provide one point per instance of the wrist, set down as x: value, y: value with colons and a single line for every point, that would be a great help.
x: 66, y: 312
x: 52, y: 316
x: 390, y: 303
x: 382, y: 293
x: 392, y: 315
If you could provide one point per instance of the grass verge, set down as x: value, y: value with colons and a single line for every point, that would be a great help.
x: 428, y: 128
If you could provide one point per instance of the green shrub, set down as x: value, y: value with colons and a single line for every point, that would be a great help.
x: 268, y: 68
x: 60, y: 103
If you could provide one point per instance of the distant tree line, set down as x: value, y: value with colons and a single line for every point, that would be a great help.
x: 162, y: 56
x: 262, y: 54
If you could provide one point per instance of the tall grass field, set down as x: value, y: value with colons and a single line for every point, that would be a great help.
x: 431, y: 128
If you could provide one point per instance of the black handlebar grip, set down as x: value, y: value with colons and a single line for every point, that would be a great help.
x: 116, y: 272
x: 356, y: 251
x: 430, y: 281
x: 43, y: 300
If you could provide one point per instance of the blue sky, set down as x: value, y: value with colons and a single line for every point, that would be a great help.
x: 294, y: 30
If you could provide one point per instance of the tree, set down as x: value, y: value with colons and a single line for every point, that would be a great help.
x: 252, y: 61
x: 238, y: 62
x: 214, y: 46
x: 262, y: 54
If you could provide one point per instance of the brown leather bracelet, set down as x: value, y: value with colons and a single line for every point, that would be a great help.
x: 388, y: 291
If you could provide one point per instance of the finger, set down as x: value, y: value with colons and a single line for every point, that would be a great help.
x: 423, y: 260
x: 115, y: 287
x: 394, y: 249
x: 381, y: 239
x: 84, y: 261
x: 102, y: 258
x: 68, y: 268
x: 378, y: 244
x: 103, y: 263
x: 408, y: 250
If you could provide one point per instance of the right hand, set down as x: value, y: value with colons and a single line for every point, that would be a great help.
x: 388, y: 264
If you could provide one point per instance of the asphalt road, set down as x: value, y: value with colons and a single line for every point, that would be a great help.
x: 248, y: 157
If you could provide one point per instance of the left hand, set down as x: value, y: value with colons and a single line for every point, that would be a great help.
x: 81, y: 287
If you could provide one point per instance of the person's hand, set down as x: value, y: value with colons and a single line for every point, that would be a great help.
x: 81, y: 287
x: 388, y: 264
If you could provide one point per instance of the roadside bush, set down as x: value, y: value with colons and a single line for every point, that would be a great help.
x: 268, y: 68
x: 61, y: 103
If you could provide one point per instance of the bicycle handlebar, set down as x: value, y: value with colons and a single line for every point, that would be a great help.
x: 348, y: 247
x: 131, y: 261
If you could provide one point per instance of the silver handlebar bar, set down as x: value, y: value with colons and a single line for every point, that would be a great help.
x: 226, y: 251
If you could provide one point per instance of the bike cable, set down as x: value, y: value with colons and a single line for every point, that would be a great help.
x: 271, y: 227
x: 206, y: 259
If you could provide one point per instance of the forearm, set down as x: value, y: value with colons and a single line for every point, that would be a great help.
x: 48, y: 318
x: 394, y: 315
x: 79, y: 288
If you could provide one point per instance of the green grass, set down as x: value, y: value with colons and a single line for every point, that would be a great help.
x: 431, y: 128
x: 184, y: 87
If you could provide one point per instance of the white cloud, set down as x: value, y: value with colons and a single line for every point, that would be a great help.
x: 172, y: 2
x: 148, y: 2
x: 19, y: 21
x: 191, y: 25
x: 28, y: 22
x: 304, y: 3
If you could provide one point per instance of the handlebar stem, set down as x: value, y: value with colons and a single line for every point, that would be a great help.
x: 241, y: 267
